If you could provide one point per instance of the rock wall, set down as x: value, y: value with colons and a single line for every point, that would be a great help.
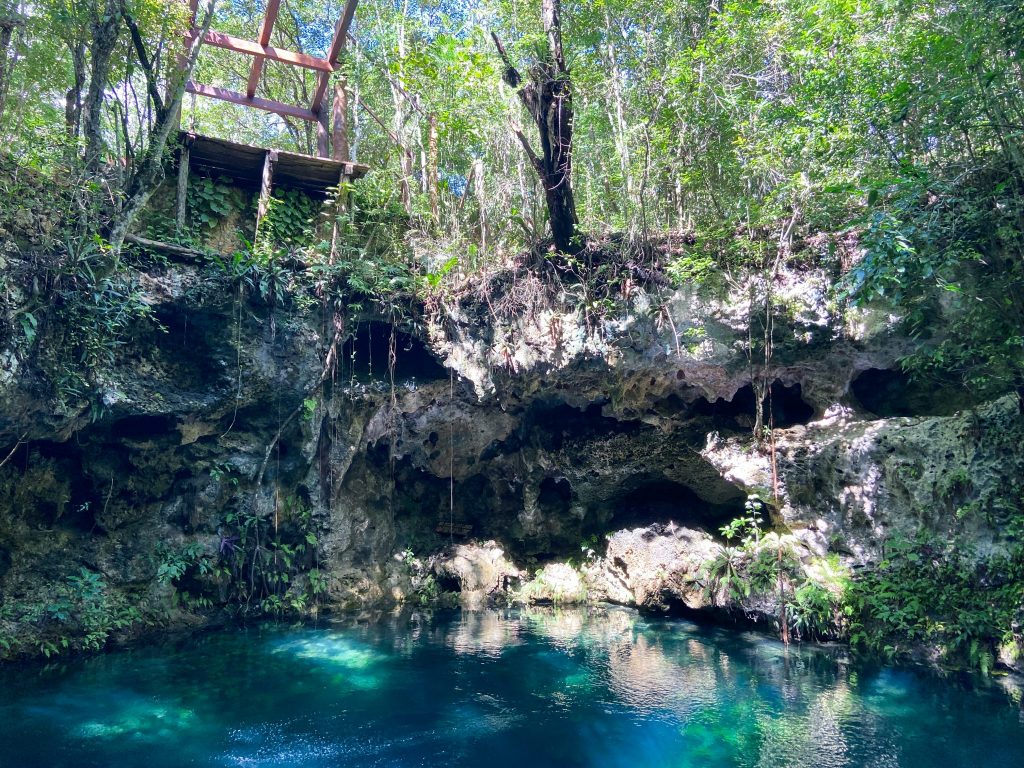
x: 527, y: 422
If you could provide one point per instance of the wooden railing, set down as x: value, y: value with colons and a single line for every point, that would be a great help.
x: 332, y: 122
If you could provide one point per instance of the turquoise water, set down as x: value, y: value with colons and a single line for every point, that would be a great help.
x: 524, y: 689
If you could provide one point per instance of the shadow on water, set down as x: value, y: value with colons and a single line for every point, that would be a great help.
x: 531, y: 687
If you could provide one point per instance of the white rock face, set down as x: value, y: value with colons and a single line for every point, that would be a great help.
x: 475, y: 571
x: 653, y: 567
x: 557, y: 583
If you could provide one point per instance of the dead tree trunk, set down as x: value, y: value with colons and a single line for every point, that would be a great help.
x: 547, y: 96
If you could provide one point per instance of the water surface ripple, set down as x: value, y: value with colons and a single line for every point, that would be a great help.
x: 601, y: 688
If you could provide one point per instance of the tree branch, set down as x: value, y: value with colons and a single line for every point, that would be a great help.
x: 147, y: 65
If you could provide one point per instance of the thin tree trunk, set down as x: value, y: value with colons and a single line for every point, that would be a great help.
x: 8, y: 23
x: 405, y: 161
x: 481, y: 197
x: 73, y: 98
x: 432, y: 174
x: 618, y: 116
x: 149, y: 170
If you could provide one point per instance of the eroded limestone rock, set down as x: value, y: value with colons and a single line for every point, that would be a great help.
x: 654, y: 568
x: 476, y: 571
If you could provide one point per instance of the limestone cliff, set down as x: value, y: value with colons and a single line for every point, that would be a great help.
x: 511, y: 412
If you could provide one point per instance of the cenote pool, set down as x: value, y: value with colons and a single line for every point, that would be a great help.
x: 495, y: 688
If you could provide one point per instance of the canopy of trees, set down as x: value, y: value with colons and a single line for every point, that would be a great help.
x: 881, y: 138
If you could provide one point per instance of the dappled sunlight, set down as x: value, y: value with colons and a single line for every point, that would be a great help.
x: 139, y: 721
x: 644, y: 676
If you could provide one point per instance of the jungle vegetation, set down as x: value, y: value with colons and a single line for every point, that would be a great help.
x: 883, y: 138
x: 880, y: 140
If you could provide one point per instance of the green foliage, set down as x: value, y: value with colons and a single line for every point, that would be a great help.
x: 79, y: 613
x: 725, y: 573
x: 91, y: 313
x: 698, y: 268
x: 930, y: 593
x: 746, y: 528
x: 263, y: 558
x: 290, y: 217
x: 947, y: 253
x: 208, y: 202
x: 810, y: 596
x: 173, y: 564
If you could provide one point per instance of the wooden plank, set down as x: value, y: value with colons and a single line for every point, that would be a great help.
x: 269, y: 18
x: 340, y: 34
x: 244, y: 164
x: 277, y: 107
x: 322, y: 81
x: 341, y: 31
x: 458, y: 529
x: 252, y: 48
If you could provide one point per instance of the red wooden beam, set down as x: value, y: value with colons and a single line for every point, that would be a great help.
x: 277, y: 107
x: 340, y: 33
x: 264, y: 39
x: 250, y: 48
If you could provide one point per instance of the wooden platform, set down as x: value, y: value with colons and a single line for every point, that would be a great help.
x: 245, y: 164
x: 456, y: 529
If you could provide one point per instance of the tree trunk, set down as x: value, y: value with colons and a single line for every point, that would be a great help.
x: 106, y: 28
x: 339, y: 108
x: 149, y: 170
x: 8, y: 23
x: 73, y: 98
x: 617, y: 116
x: 405, y: 160
x: 431, y: 174
x: 547, y: 96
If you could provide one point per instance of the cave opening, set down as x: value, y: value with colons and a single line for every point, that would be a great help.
x: 785, y: 402
x: 888, y: 393
x: 555, y: 496
x: 558, y: 423
x: 366, y: 353
x: 658, y: 500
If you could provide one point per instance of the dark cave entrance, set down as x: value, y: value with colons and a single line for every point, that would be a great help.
x: 785, y: 404
x: 888, y: 393
x: 655, y: 500
x: 366, y: 353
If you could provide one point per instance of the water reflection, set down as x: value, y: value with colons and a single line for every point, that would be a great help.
x: 537, y: 687
x: 483, y: 633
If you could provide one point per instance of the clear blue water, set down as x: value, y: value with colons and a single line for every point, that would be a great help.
x: 523, y: 689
